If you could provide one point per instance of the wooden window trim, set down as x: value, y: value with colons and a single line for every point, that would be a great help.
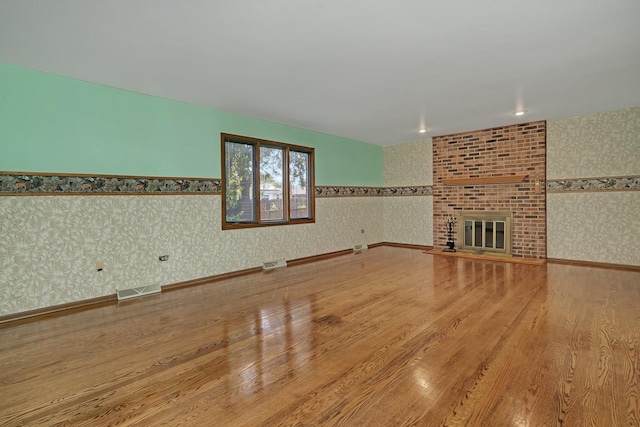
x: 257, y: 142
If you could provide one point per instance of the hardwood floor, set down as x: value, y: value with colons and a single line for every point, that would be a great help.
x: 389, y: 337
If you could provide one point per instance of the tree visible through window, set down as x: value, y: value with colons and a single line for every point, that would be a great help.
x: 266, y: 183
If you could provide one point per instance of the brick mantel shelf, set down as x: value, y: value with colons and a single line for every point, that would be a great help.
x: 504, y: 179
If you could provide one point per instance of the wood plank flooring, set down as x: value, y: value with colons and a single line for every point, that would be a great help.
x: 389, y: 337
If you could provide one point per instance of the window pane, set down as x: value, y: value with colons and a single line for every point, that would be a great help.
x: 299, y: 184
x: 265, y: 183
x: 272, y: 206
x: 240, y: 206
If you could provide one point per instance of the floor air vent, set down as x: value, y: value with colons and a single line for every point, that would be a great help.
x: 359, y: 248
x: 271, y: 265
x: 139, y: 291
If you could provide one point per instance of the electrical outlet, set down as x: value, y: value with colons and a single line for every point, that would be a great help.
x: 99, y: 265
x: 163, y: 257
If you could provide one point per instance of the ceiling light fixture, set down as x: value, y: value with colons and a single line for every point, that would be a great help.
x: 520, y: 113
x: 422, y: 130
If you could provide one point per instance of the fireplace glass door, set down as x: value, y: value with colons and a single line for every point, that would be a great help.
x: 482, y: 232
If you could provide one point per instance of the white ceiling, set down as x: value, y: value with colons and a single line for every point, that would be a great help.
x: 361, y: 69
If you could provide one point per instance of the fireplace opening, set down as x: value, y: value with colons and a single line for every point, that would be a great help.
x: 485, y: 232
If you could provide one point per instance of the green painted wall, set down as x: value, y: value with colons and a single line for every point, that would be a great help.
x: 55, y: 124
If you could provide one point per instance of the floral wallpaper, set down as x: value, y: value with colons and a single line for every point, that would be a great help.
x: 408, y: 170
x: 591, y: 218
x: 599, y: 227
x: 50, y: 245
x: 603, y: 144
x: 408, y: 164
x: 408, y: 220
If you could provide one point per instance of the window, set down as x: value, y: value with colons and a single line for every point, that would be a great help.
x: 265, y: 183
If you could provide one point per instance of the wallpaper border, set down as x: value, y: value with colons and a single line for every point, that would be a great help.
x: 339, y: 191
x: 40, y: 184
x: 616, y: 183
x: 23, y: 183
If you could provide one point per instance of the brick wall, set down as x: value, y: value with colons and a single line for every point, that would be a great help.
x: 509, y: 150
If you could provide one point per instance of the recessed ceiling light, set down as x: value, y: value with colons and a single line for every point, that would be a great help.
x: 520, y: 113
x: 422, y: 130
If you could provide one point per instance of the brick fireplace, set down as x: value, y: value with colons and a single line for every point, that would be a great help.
x: 498, y: 169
